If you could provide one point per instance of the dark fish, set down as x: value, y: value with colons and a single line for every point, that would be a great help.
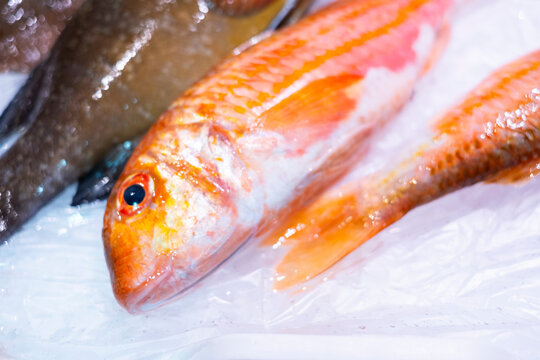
x: 28, y: 29
x: 114, y: 69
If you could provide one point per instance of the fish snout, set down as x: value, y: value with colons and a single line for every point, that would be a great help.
x: 143, y: 291
x: 142, y: 277
x: 134, y: 267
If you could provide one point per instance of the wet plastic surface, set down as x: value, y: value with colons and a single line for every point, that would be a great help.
x: 459, y: 277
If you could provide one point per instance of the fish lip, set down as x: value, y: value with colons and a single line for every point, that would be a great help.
x: 161, y: 288
x: 136, y: 300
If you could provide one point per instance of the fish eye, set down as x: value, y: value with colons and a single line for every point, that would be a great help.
x: 135, y: 193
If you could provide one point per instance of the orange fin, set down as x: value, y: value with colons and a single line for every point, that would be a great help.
x: 438, y: 48
x: 308, y: 220
x: 318, y: 237
x: 314, y: 110
x: 519, y: 174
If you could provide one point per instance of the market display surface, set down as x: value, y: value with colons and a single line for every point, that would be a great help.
x: 455, y: 277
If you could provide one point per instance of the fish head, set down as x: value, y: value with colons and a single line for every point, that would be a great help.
x: 168, y: 221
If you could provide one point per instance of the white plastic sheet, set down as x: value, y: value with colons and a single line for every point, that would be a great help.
x: 457, y: 278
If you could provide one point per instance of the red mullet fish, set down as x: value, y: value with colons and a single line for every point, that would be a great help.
x: 263, y: 134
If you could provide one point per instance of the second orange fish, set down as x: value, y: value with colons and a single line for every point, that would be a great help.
x: 493, y: 135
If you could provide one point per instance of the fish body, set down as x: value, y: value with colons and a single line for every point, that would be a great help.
x: 492, y: 135
x: 113, y: 70
x: 261, y: 135
x: 28, y: 29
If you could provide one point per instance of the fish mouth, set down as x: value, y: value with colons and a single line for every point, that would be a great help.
x: 152, y: 293
x: 141, y: 278
x: 162, y: 287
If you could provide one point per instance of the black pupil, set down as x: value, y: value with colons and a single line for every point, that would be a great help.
x: 134, y: 195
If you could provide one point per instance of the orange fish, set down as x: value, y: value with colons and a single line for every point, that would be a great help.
x: 492, y: 135
x: 264, y: 133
